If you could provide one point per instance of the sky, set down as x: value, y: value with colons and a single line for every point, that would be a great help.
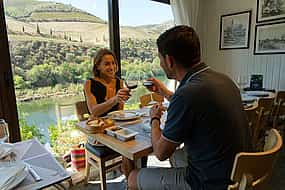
x: 132, y: 12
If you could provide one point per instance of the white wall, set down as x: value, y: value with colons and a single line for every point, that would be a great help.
x: 237, y: 61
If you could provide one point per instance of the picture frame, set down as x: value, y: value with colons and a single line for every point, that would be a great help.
x: 235, y: 30
x: 270, y: 38
x: 269, y: 10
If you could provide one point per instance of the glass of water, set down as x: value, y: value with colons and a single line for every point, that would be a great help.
x: 4, y: 133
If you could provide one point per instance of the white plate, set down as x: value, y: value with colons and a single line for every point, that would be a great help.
x: 248, y: 99
x: 18, y: 180
x: 123, y: 115
x: 257, y: 93
x: 11, y: 168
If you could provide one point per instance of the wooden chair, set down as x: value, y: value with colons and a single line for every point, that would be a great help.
x: 279, y: 111
x: 97, y: 156
x: 146, y: 99
x: 252, y: 170
x: 252, y: 116
x: 264, y: 115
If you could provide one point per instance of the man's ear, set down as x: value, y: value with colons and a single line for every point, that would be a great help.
x: 169, y: 61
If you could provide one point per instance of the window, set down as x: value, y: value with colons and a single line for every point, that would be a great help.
x: 140, y: 26
x: 52, y: 44
x: 51, y: 47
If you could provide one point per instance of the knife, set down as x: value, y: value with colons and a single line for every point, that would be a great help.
x: 34, y: 173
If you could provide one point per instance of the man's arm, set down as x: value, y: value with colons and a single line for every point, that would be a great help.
x: 162, y: 147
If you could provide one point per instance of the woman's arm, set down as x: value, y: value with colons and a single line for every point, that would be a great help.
x: 97, y: 109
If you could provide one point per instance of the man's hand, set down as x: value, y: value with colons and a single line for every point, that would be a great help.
x: 159, y: 87
x: 156, y: 111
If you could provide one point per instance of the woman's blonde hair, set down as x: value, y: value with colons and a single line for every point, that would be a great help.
x: 98, y: 58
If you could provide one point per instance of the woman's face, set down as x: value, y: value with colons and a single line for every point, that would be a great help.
x: 107, y: 67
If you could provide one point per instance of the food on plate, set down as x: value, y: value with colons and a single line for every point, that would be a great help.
x: 118, y: 114
x: 100, y: 122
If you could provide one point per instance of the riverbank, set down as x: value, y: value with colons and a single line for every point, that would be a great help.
x: 58, y: 91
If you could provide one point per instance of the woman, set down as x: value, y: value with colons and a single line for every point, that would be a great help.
x: 104, y: 92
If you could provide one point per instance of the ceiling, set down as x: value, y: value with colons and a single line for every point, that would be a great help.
x: 162, y: 1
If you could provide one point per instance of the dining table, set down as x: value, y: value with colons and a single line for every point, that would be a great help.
x: 250, y: 98
x: 133, y: 149
x: 43, y: 169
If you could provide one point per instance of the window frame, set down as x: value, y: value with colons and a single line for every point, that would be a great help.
x: 8, y: 104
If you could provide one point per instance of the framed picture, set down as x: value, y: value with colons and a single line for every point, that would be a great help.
x: 235, y: 30
x: 268, y: 10
x: 270, y: 38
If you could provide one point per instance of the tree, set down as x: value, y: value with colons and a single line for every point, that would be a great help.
x: 23, y: 29
x: 80, y: 39
x: 42, y: 75
x: 19, y: 82
x: 30, y: 131
x: 38, y: 29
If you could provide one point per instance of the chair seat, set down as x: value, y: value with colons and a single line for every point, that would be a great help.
x: 100, y: 151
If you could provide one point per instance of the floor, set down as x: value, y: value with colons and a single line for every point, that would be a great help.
x: 117, y: 181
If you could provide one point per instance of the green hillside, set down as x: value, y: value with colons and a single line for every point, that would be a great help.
x: 57, y: 21
x: 41, y: 11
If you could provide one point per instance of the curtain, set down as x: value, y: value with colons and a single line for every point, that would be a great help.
x: 185, y: 12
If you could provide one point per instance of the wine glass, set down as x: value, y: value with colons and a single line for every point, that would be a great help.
x: 131, y: 81
x: 4, y: 134
x: 148, y: 83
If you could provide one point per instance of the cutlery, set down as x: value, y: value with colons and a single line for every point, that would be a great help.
x: 33, y: 173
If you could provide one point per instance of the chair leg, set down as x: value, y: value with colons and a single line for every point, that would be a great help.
x: 102, y: 171
x: 87, y: 170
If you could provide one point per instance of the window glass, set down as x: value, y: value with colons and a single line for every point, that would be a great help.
x: 141, y: 22
x: 51, y: 46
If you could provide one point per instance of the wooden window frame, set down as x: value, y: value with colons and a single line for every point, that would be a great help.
x: 8, y: 106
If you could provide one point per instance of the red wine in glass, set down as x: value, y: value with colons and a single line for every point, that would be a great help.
x: 131, y: 84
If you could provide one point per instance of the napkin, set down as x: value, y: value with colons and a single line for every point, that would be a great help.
x: 6, y: 151
x: 10, y: 173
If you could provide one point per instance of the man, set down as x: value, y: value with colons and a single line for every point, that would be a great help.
x: 205, y: 113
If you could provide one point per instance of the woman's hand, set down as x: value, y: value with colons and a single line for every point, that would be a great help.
x: 123, y: 95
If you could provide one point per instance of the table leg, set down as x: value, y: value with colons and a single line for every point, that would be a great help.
x: 127, y: 166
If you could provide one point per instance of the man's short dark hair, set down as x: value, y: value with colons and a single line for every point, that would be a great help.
x: 181, y: 42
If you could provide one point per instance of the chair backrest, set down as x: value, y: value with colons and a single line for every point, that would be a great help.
x: 280, y: 95
x: 279, y: 105
x: 145, y: 99
x: 252, y: 117
x: 81, y: 109
x: 252, y: 170
x: 264, y: 115
x: 266, y: 104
